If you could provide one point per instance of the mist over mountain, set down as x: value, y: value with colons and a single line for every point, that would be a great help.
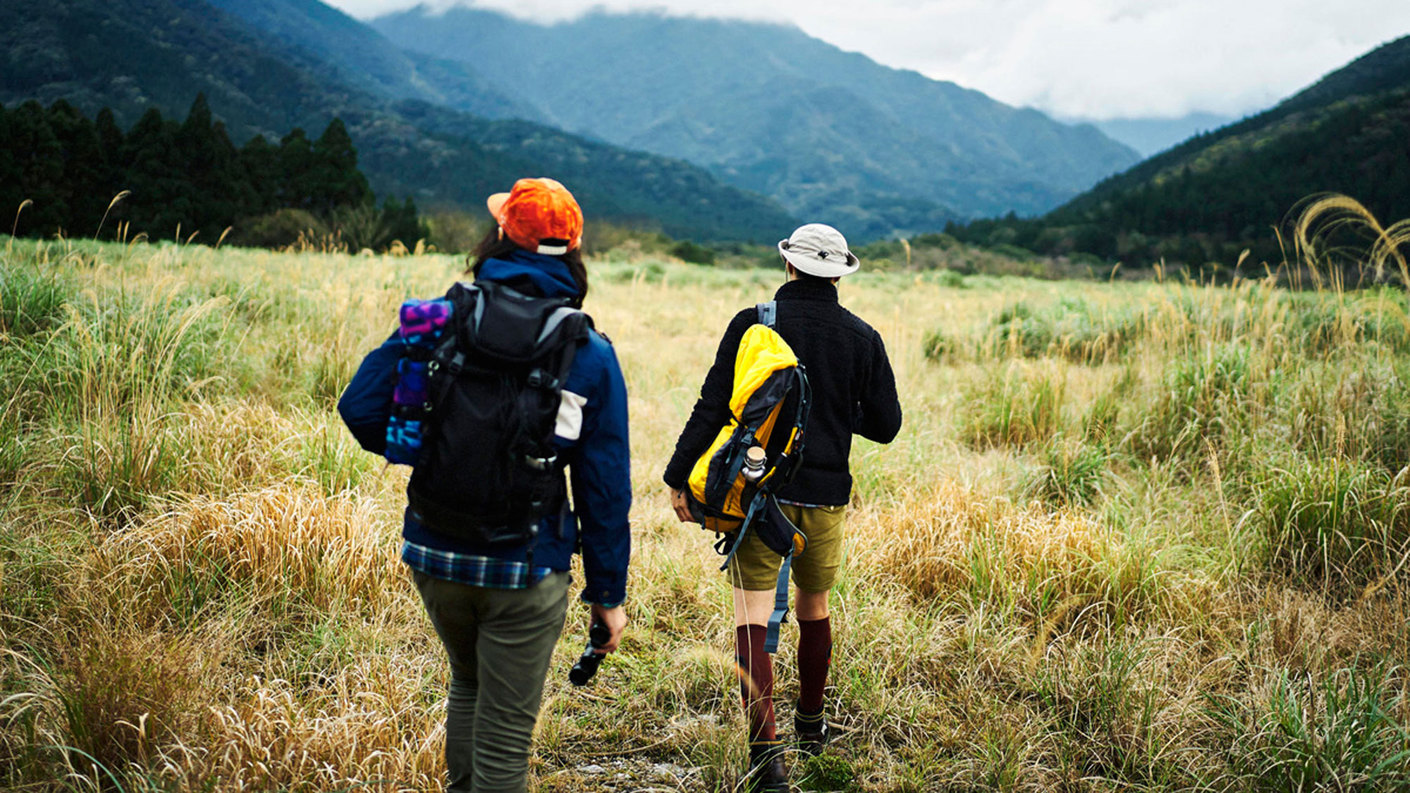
x: 829, y: 134
x: 1220, y: 192
x: 1150, y: 136
x: 280, y: 64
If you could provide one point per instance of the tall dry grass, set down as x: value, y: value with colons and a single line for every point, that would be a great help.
x: 1141, y: 536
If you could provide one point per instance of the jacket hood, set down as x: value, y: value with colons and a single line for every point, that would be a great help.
x: 548, y: 273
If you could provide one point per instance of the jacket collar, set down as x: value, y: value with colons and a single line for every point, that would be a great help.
x: 808, y: 289
x: 548, y: 274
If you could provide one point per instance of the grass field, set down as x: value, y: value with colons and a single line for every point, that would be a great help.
x: 1133, y: 536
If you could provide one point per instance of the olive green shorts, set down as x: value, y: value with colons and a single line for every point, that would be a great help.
x: 755, y: 567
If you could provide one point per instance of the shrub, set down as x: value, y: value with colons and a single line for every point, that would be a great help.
x: 125, y: 695
x: 1335, y: 521
x: 1072, y: 329
x: 951, y: 279
x: 1103, y: 415
x: 935, y: 346
x: 1201, y: 397
x: 1340, y: 733
x: 112, y: 469
x: 688, y: 251
x: 1012, y: 408
x: 29, y: 302
x: 455, y: 232
x: 1328, y: 323
x: 1359, y: 412
x: 1105, y: 712
x: 600, y: 236
x: 827, y: 772
x: 1071, y: 474
x: 13, y: 441
x: 280, y: 229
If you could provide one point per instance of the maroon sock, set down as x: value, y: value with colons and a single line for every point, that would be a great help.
x: 814, y: 657
x: 756, y: 681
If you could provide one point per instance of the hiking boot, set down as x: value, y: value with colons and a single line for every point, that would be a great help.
x: 810, y: 733
x: 766, y: 771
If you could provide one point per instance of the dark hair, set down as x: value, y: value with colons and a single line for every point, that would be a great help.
x: 808, y: 277
x: 495, y: 246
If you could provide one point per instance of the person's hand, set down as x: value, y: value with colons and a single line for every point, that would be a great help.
x: 681, y: 504
x: 615, y: 619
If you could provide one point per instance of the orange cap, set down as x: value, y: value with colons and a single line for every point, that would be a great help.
x: 539, y: 215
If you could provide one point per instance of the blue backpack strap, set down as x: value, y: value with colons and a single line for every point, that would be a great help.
x: 780, y: 613
x: 768, y: 313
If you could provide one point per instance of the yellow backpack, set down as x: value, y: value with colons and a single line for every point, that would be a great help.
x: 759, y: 450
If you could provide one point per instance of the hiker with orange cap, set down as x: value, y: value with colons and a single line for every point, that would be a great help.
x: 852, y: 391
x: 516, y: 396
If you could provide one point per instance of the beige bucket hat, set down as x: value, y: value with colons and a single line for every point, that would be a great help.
x: 819, y: 249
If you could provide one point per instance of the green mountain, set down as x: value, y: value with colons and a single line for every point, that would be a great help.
x: 1220, y: 192
x: 353, y: 54
x: 132, y: 55
x: 829, y: 134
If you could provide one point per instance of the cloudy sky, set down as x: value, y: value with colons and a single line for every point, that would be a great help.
x: 1096, y: 59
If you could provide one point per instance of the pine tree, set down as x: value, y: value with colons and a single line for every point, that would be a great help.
x: 297, y: 174
x: 10, y: 193
x: 402, y: 223
x: 336, y: 180
x: 83, y: 188
x: 216, y: 182
x: 234, y: 178
x: 161, y: 194
x: 261, y: 161
x: 39, y: 165
x: 188, y: 176
x: 114, y: 169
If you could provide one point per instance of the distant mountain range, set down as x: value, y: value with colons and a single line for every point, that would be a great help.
x: 1217, y: 193
x: 349, y: 52
x: 1151, y: 135
x: 829, y: 134
x: 749, y: 126
x: 272, y: 65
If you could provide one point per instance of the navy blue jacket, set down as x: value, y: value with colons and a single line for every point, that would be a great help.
x: 598, y: 459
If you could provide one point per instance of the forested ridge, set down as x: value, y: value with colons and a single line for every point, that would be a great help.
x: 78, y: 176
x: 1234, y: 188
x: 134, y: 55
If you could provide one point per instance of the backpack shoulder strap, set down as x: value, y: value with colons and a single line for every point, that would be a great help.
x: 767, y: 313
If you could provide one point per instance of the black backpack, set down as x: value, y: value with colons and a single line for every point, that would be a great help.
x: 488, y: 471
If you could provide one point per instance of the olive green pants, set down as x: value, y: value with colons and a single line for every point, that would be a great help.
x: 499, y: 642
x: 755, y: 567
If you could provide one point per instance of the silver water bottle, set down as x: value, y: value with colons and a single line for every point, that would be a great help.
x: 753, y: 463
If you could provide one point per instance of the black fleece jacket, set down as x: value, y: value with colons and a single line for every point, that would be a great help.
x: 854, y: 391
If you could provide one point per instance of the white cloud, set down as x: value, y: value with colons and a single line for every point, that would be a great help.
x: 1085, y: 58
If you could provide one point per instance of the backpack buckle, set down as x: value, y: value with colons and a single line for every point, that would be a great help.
x: 538, y: 378
x: 540, y: 463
